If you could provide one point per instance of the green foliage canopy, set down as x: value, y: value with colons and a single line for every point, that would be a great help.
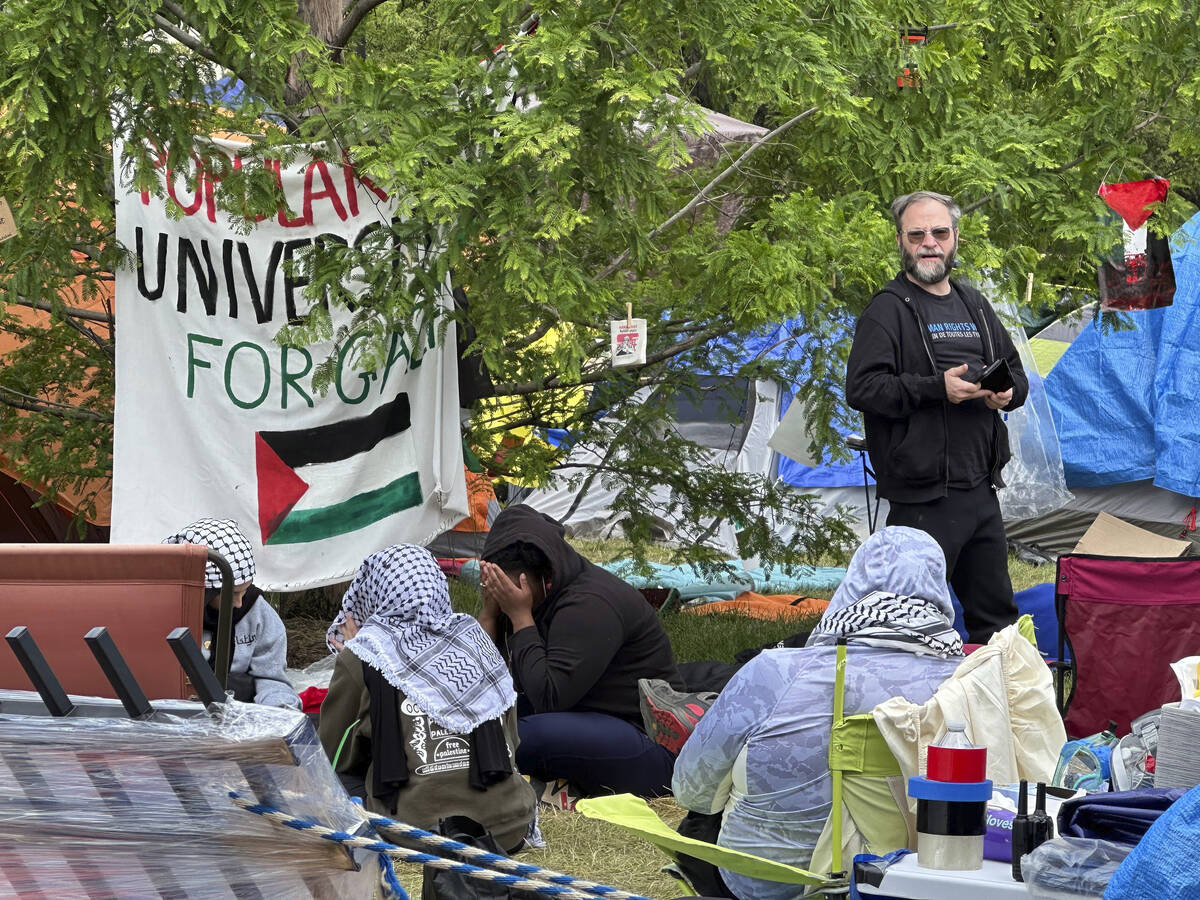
x: 552, y: 168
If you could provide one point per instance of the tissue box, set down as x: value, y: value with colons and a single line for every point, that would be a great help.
x: 1177, y: 763
x: 997, y: 840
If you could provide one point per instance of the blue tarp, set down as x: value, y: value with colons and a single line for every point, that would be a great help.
x: 1126, y: 403
x: 787, y: 342
x: 1164, y: 863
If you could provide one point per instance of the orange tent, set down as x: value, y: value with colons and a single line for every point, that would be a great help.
x: 20, y: 519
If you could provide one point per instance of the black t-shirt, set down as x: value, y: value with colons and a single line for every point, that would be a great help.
x: 955, y: 340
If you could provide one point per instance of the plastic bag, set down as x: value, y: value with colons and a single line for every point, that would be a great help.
x: 1070, y: 868
x: 317, y: 674
x: 1034, y: 479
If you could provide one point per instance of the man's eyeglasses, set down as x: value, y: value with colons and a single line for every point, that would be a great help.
x: 916, y: 236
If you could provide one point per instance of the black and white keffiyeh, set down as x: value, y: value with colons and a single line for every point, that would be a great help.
x: 443, y: 661
x: 223, y: 536
x: 893, y: 622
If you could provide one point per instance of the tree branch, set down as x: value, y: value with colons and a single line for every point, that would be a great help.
x: 533, y: 387
x: 552, y: 319
x: 75, y: 312
x: 18, y: 400
x: 354, y: 16
x: 1079, y: 160
x: 699, y: 198
x: 203, y: 50
x: 103, y: 346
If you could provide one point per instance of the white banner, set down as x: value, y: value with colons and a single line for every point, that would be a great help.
x: 213, y: 418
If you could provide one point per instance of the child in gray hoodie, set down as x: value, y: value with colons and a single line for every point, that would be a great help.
x: 259, y: 638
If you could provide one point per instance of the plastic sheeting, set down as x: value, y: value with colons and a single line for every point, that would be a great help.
x: 732, y: 581
x: 114, y: 807
x: 1072, y: 868
x: 1125, y: 402
x: 1034, y: 479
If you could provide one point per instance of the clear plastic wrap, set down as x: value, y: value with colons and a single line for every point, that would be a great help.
x: 1070, y: 868
x: 120, y: 808
x: 320, y: 673
x: 1034, y: 479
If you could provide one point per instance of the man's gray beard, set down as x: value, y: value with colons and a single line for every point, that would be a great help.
x: 910, y: 261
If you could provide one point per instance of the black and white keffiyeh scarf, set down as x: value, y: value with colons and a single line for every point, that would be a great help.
x: 441, y: 660
x: 893, y: 622
x: 223, y: 536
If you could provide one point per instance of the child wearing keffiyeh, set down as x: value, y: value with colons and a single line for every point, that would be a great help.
x: 259, y: 652
x: 419, y: 719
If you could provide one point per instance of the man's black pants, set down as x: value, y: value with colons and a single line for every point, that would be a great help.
x: 968, y: 526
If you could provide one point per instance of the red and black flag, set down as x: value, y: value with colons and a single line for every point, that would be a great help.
x: 1138, y: 273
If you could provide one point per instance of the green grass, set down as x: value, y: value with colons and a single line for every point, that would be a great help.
x: 584, y: 847
x: 1024, y: 575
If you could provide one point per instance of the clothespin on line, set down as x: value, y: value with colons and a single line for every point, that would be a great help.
x: 1029, y: 289
x: 629, y: 315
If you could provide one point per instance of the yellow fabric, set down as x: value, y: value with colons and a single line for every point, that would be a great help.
x: 1004, y: 693
x: 865, y: 815
x: 496, y: 412
x: 1046, y: 353
x: 856, y: 746
x: 634, y: 815
x: 871, y: 823
x: 1026, y: 630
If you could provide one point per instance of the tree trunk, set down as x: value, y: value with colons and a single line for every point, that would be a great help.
x: 324, y: 18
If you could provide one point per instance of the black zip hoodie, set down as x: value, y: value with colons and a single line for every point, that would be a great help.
x: 892, y: 378
x: 594, y: 635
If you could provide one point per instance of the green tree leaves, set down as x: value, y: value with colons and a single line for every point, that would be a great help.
x: 548, y: 173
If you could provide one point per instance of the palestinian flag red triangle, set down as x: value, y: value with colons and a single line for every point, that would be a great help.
x: 279, y: 487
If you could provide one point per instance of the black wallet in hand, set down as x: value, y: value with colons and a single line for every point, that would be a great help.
x: 995, y: 377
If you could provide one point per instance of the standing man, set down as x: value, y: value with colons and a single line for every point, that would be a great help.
x: 935, y: 437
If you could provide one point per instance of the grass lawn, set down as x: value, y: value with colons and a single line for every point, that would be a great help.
x: 577, y: 845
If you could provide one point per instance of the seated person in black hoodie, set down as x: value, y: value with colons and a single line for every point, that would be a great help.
x: 577, y: 638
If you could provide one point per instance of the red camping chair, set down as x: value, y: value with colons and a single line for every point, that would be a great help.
x: 1124, y: 620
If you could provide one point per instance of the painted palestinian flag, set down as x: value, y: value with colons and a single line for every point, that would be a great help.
x: 314, y: 483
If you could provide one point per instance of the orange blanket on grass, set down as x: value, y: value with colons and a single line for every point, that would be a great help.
x: 766, y: 606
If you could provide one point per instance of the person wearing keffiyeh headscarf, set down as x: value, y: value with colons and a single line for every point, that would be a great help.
x: 420, y: 718
x: 760, y: 754
x: 259, y: 651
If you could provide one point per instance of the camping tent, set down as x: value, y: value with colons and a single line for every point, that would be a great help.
x: 23, y: 521
x: 24, y: 516
x: 1034, y: 476
x: 1126, y: 402
x: 733, y: 418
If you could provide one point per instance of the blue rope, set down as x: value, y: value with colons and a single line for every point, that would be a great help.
x: 576, y: 891
x: 389, y: 878
x: 495, y: 859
